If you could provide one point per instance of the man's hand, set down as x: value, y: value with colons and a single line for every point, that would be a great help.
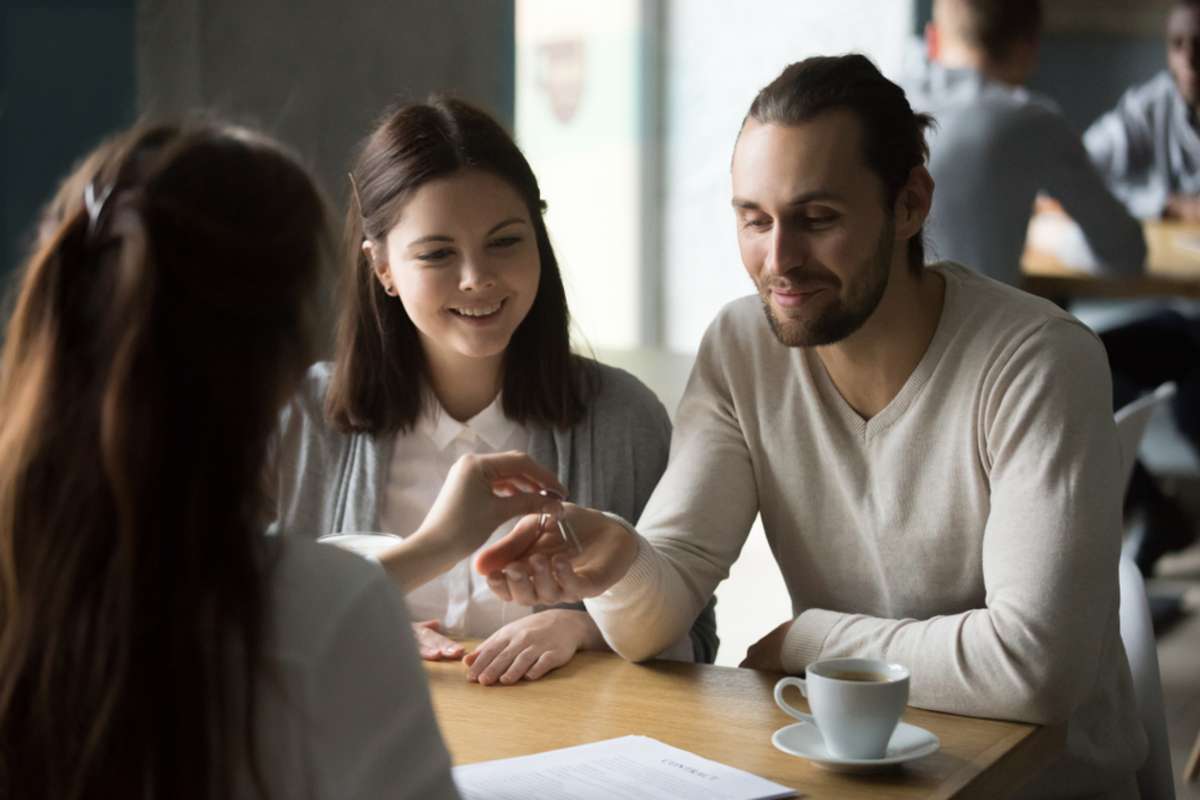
x: 531, y: 646
x: 533, y: 565
x: 767, y: 653
x: 433, y: 645
x: 1183, y: 207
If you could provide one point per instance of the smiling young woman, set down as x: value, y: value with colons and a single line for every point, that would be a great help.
x: 454, y: 341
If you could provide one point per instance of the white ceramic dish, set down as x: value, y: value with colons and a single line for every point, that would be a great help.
x: 908, y: 742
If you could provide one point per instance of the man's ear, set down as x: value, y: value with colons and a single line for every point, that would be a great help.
x: 913, y: 203
x: 933, y: 45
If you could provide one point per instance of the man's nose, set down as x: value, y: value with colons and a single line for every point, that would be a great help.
x: 788, y: 250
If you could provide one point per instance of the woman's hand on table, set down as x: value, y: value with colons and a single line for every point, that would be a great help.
x: 533, y: 565
x: 530, y: 647
x: 433, y: 645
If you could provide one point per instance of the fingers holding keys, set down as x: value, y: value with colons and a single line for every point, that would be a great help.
x: 433, y: 645
x: 536, y: 564
x: 482, y: 491
x: 517, y: 470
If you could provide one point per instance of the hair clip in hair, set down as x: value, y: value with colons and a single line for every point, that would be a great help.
x: 95, y: 205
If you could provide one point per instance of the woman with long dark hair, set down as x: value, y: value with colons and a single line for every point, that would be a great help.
x: 153, y: 642
x: 454, y: 339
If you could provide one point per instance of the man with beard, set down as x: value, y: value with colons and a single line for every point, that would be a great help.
x: 932, y: 452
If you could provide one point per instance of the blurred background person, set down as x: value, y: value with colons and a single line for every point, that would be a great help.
x: 1148, y: 150
x: 996, y: 145
x: 1148, y: 147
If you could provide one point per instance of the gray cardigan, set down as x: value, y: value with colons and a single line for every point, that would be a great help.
x: 327, y: 481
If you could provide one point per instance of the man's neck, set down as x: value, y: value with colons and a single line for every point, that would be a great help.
x: 953, y: 55
x: 871, y: 366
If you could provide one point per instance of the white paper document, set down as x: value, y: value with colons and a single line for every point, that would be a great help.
x: 627, y: 768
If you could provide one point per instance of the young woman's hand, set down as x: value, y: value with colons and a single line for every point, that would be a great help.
x: 433, y: 645
x: 532, y: 646
x: 479, y: 493
x: 533, y: 565
x: 483, y: 491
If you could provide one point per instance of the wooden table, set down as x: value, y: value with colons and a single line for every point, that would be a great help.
x: 1172, y: 269
x: 724, y: 714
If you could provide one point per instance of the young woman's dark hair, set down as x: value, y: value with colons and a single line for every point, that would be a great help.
x: 159, y: 324
x: 380, y: 366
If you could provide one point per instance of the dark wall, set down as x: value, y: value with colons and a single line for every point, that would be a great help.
x: 313, y: 72
x: 1086, y: 73
x: 66, y: 81
x: 317, y: 73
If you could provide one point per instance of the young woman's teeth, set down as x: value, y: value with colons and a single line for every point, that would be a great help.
x: 481, y: 311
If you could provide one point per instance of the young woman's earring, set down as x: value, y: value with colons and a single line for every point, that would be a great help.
x: 389, y: 290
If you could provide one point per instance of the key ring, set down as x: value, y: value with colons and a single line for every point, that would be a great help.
x: 564, y: 528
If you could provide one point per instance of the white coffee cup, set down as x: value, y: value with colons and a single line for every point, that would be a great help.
x: 368, y: 544
x: 856, y: 703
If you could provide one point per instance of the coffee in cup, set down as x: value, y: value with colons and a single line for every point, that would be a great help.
x: 855, y: 702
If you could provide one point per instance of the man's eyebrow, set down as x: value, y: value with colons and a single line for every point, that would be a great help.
x: 799, y: 200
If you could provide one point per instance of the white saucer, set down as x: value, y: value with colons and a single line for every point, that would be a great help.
x: 908, y: 742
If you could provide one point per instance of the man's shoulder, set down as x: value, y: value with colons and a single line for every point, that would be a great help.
x: 938, y: 89
x: 1000, y: 318
x: 743, y: 316
x: 1157, y: 90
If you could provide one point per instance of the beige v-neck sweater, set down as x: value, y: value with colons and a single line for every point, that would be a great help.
x: 969, y: 531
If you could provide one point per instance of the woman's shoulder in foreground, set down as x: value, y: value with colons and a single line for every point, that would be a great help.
x: 314, y: 587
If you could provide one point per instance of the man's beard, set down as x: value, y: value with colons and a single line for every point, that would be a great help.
x: 844, y: 317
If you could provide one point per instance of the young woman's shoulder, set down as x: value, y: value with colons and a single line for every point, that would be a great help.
x: 611, y: 391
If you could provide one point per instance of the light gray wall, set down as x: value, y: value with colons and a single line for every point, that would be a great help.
x: 717, y: 55
x: 316, y: 73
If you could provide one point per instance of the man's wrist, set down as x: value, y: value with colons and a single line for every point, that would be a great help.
x: 628, y: 544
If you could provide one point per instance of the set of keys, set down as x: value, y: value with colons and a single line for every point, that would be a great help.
x: 564, y: 528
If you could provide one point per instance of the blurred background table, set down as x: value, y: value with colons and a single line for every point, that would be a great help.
x: 720, y: 713
x: 1172, y: 269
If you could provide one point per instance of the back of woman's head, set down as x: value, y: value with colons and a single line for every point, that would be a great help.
x: 380, y: 363
x: 157, y: 326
